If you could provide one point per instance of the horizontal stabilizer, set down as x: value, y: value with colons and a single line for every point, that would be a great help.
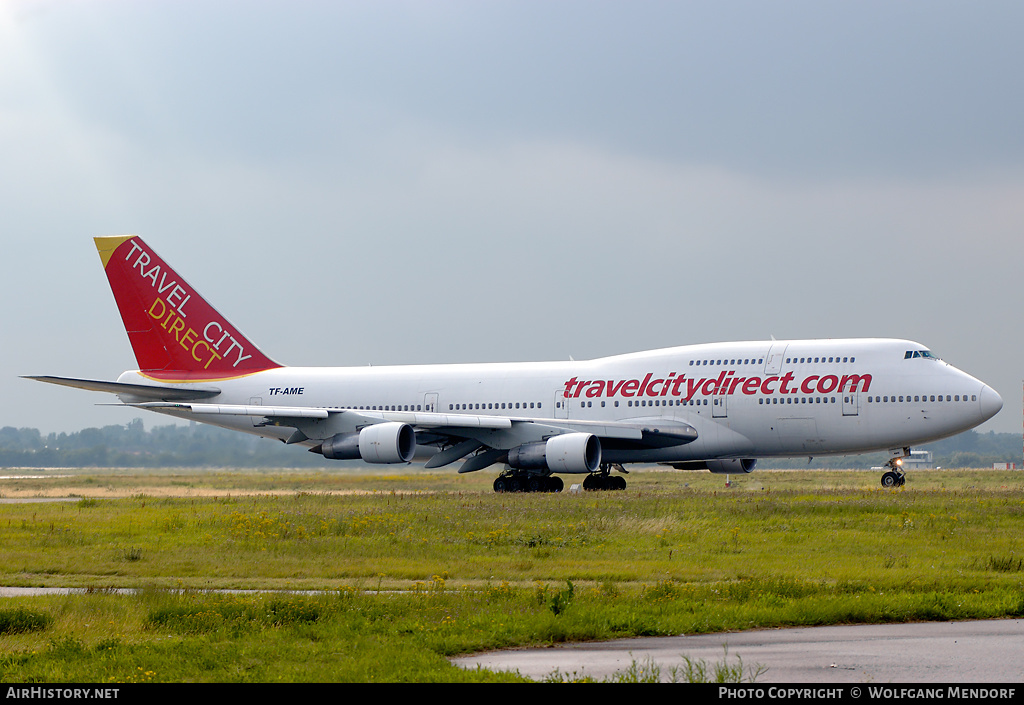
x: 138, y: 391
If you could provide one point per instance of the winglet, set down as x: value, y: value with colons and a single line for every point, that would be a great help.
x: 175, y: 333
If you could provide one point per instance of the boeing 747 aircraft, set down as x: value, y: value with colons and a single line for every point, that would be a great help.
x: 716, y: 406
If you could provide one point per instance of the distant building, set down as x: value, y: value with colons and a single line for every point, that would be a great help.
x: 919, y: 460
x: 1004, y: 466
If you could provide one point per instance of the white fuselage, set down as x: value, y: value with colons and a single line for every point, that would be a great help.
x: 745, y: 399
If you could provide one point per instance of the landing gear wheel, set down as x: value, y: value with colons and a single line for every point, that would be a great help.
x: 599, y: 481
x: 519, y: 481
x: 894, y: 477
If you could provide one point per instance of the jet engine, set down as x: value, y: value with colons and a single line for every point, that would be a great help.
x: 732, y: 467
x: 719, y: 467
x: 568, y: 453
x: 390, y: 442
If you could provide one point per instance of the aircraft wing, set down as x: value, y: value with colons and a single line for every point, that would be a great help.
x: 461, y: 434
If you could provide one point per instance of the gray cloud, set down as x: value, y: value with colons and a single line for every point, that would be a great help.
x: 512, y: 180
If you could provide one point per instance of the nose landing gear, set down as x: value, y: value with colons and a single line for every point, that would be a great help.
x: 895, y: 477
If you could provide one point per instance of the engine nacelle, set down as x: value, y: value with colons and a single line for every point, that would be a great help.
x: 732, y: 467
x: 390, y: 442
x: 569, y: 453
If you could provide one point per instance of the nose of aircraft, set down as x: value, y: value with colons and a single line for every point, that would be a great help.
x: 989, y: 402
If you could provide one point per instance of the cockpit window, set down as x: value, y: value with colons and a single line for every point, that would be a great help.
x: 920, y: 353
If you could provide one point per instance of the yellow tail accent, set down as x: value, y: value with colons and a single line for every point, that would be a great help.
x: 107, y: 244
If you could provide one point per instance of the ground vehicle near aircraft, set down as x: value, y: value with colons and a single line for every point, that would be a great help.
x: 716, y: 406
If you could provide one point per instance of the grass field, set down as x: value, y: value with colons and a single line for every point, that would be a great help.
x: 412, y: 567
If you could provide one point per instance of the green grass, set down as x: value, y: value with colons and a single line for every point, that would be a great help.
x: 434, y: 565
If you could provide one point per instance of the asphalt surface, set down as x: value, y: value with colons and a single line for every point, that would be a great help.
x: 933, y: 652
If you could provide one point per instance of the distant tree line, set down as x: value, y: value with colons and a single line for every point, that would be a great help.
x: 200, y: 445
x: 969, y: 449
x: 131, y: 445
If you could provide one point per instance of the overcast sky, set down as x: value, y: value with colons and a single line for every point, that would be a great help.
x: 431, y: 181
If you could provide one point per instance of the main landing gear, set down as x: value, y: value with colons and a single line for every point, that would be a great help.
x: 603, y: 480
x: 894, y: 477
x: 519, y: 481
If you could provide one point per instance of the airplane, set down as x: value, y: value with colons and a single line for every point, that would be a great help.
x: 716, y: 406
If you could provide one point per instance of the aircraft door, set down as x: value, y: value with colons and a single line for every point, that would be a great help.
x: 773, y: 362
x: 561, y: 404
x: 719, y: 408
x: 430, y: 402
x: 851, y: 403
x: 257, y: 421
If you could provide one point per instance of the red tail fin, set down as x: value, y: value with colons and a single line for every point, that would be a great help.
x: 175, y: 334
